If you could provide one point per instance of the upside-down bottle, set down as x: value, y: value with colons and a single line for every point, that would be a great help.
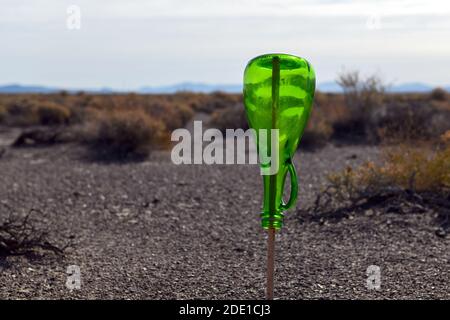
x: 278, y: 94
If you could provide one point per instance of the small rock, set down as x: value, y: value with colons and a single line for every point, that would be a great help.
x: 441, y: 233
x: 215, y: 236
x: 124, y: 213
x: 369, y: 212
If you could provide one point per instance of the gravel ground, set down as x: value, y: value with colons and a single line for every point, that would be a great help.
x: 153, y: 230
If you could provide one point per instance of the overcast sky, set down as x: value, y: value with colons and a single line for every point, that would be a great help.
x: 132, y: 43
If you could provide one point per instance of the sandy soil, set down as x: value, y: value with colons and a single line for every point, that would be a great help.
x: 153, y: 230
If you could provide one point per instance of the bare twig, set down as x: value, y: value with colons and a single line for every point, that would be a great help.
x: 20, y: 235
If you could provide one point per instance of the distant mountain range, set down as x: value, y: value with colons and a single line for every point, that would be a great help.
x: 202, y: 87
x: 17, y: 88
x: 193, y: 87
x: 403, y: 87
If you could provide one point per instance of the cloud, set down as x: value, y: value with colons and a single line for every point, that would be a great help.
x: 257, y: 8
x: 134, y: 43
x: 142, y: 9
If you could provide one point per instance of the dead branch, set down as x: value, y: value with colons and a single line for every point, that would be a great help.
x: 20, y: 235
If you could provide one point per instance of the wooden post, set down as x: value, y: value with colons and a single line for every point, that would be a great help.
x: 273, y: 206
x: 270, y: 263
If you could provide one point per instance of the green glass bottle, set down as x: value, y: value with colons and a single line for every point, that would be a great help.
x: 278, y: 94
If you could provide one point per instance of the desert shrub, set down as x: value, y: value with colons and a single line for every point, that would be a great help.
x: 372, y: 116
x: 21, y: 235
x: 124, y: 133
x: 419, y: 170
x: 361, y: 94
x: 50, y: 113
x: 363, y: 114
x: 216, y: 101
x: 22, y: 112
x: 407, y: 180
x: 195, y: 101
x: 327, y: 110
x: 445, y: 138
x: 229, y: 118
x: 185, y: 113
x: 411, y: 121
x: 318, y: 131
x: 93, y: 102
x: 3, y: 113
x: 320, y: 98
x: 174, y: 115
x: 438, y: 94
x: 31, y: 111
x: 46, y: 136
x: 363, y: 98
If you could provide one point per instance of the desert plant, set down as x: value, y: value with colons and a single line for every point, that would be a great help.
x: 411, y: 121
x: 216, y: 101
x: 22, y: 234
x: 438, y: 94
x: 363, y: 114
x: 124, y: 133
x: 445, y: 138
x: 45, y: 136
x: 3, y: 113
x: 363, y: 96
x: 184, y: 114
x: 229, y: 118
x: 30, y: 111
x: 318, y: 132
x: 174, y: 115
x: 22, y: 112
x: 50, y: 113
x: 406, y: 180
x: 418, y: 170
